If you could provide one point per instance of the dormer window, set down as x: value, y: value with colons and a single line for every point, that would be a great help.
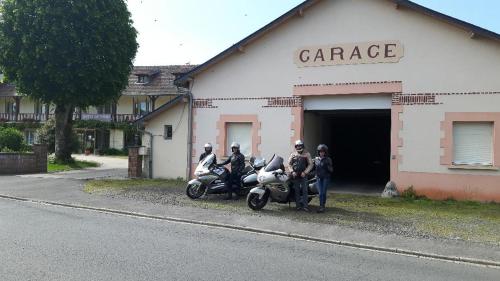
x: 142, y: 79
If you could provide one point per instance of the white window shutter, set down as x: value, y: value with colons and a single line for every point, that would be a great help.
x: 473, y: 143
x: 242, y: 134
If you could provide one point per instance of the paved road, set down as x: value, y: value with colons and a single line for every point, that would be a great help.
x: 39, y: 242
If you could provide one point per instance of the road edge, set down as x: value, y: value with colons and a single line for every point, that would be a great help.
x: 473, y: 261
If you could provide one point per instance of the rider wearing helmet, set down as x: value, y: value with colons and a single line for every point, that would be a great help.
x: 237, y: 161
x: 324, y: 170
x: 208, y: 151
x: 300, y: 164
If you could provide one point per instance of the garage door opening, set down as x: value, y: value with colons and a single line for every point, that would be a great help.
x: 359, y: 143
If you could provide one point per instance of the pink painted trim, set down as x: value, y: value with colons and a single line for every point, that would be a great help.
x: 297, y: 125
x: 222, y: 126
x: 349, y: 89
x: 396, y: 141
x: 457, y: 186
x: 447, y: 128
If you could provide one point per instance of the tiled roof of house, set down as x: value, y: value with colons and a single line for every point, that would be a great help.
x: 161, y: 83
x: 7, y: 90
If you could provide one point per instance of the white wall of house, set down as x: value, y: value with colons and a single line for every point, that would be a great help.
x: 169, y: 156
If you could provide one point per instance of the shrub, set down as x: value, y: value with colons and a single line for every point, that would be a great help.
x: 11, y: 140
x: 113, y: 151
x: 47, y: 135
x: 409, y: 194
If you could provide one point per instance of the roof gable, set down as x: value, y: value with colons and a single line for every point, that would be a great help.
x: 299, y: 11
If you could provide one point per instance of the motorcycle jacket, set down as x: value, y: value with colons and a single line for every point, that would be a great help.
x: 324, y: 167
x: 237, y: 161
x: 300, y: 162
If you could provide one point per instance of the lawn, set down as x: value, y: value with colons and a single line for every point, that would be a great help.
x: 57, y: 167
x: 464, y: 220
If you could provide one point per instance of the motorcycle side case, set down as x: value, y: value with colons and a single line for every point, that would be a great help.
x: 249, y: 180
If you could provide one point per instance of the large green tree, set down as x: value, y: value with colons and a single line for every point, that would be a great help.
x: 71, y: 53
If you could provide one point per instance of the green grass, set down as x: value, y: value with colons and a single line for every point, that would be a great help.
x: 58, y: 167
x: 464, y: 220
x: 94, y: 186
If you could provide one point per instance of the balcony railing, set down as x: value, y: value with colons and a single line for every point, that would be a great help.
x: 33, y: 117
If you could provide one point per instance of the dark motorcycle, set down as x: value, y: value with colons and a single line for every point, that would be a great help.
x: 212, y: 178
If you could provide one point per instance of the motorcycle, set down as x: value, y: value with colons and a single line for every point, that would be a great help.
x: 249, y: 178
x: 275, y: 185
x: 211, y: 178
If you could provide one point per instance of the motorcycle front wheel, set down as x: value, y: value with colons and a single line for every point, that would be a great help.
x: 255, y: 203
x: 195, y: 191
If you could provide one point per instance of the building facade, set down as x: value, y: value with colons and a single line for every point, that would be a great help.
x: 397, y: 91
x: 148, y: 88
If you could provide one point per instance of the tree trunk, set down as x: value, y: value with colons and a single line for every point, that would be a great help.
x: 64, y: 127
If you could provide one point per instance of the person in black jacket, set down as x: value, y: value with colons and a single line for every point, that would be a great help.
x: 237, y: 161
x: 324, y: 170
x: 208, y: 150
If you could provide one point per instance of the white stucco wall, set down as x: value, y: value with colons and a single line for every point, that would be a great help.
x: 438, y: 57
x: 169, y: 156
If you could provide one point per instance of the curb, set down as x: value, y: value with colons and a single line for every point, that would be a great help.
x: 488, y: 263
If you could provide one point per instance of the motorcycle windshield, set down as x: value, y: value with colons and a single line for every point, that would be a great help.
x: 204, y: 165
x: 274, y: 164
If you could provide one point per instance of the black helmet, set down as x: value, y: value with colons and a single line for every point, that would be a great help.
x: 299, y: 146
x: 208, y: 147
x: 322, y: 147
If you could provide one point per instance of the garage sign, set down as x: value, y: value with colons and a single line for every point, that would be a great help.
x: 353, y: 53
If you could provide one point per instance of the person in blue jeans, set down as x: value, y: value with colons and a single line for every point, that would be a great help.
x: 324, y: 170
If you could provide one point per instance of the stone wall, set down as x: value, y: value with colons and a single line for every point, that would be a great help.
x: 24, y: 163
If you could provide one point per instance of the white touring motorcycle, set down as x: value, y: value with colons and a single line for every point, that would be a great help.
x: 212, y: 179
x: 275, y: 184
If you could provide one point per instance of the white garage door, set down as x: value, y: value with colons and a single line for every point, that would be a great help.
x: 348, y: 102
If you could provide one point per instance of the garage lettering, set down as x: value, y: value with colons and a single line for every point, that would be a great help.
x: 357, y: 53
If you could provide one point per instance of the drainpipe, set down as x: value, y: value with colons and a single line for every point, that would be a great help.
x: 150, y: 162
x: 189, y: 96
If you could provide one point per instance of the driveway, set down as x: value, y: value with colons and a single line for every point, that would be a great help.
x: 110, y: 167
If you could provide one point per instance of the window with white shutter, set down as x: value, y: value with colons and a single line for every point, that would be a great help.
x: 473, y: 143
x: 242, y: 134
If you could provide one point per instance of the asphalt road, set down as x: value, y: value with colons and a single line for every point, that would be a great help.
x: 40, y: 242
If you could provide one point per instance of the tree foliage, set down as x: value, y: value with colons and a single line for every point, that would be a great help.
x: 66, y: 51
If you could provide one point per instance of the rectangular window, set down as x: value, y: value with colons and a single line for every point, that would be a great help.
x: 29, y: 136
x: 167, y: 132
x: 104, y: 109
x: 473, y: 143
x: 242, y: 134
x: 142, y: 79
x: 10, y: 106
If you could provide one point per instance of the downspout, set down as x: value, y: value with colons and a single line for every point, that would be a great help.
x: 190, y: 134
x: 187, y: 93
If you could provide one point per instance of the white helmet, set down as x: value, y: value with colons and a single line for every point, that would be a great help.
x: 299, y: 146
x: 235, y: 145
x: 208, y: 147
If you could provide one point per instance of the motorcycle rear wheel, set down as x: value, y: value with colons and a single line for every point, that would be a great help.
x: 255, y: 203
x: 195, y: 191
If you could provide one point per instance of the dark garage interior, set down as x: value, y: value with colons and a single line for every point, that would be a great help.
x: 359, y: 143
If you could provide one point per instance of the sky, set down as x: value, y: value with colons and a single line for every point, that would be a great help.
x: 193, y: 31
